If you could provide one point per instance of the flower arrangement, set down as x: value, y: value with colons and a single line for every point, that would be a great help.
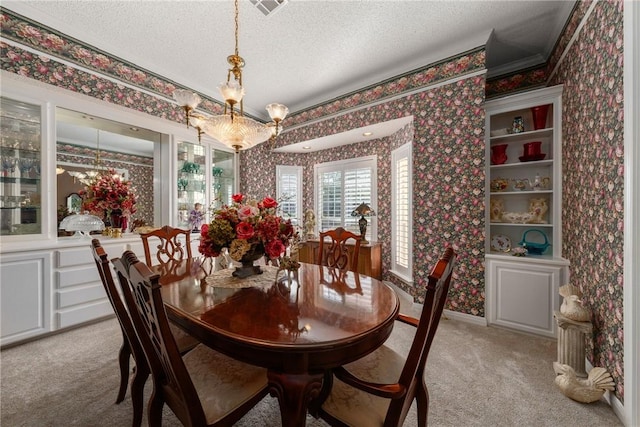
x: 246, y: 227
x: 108, y: 192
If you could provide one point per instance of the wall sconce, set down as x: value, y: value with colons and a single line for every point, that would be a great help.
x: 363, y: 210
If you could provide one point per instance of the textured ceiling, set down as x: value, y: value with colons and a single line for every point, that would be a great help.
x: 307, y: 52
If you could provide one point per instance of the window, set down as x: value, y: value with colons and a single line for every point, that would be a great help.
x: 401, y: 209
x: 289, y: 192
x: 340, y: 187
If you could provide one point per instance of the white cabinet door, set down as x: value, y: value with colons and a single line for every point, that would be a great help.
x: 523, y: 295
x: 25, y: 296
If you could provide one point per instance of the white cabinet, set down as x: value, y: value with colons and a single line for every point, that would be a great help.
x: 25, y: 288
x: 79, y: 295
x: 523, y: 296
x: 523, y: 209
x: 55, y: 287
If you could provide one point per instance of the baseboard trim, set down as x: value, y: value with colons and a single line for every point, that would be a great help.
x: 463, y: 317
x: 610, y: 398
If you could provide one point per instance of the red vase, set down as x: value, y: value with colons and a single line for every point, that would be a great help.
x: 119, y: 221
x: 499, y: 154
x: 540, y: 116
x: 532, y: 149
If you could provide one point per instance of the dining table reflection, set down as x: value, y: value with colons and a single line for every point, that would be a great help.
x: 297, y: 324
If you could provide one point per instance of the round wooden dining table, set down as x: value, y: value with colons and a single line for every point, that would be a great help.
x: 299, y: 325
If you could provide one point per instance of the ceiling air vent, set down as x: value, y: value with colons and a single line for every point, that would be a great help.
x: 269, y: 7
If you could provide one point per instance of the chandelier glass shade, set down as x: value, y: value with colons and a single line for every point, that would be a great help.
x: 232, y: 128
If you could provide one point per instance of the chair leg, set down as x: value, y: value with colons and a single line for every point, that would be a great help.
x: 422, y: 404
x: 137, y: 393
x: 154, y: 410
x: 123, y: 358
x: 315, y: 404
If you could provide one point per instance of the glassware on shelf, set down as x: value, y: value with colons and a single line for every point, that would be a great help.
x: 20, y: 167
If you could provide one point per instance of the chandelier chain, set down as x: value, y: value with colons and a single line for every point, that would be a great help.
x: 236, y: 33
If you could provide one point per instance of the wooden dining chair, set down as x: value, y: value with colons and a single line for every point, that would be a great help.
x: 130, y: 344
x: 379, y: 389
x: 169, y: 245
x: 334, y: 252
x: 202, y: 388
x: 338, y: 280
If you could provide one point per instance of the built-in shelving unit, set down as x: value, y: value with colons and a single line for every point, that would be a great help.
x: 523, y: 209
x: 20, y: 168
x: 206, y: 176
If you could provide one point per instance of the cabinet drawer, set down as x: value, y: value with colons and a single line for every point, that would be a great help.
x: 83, y: 314
x: 74, y: 256
x: 77, y: 276
x: 80, y: 295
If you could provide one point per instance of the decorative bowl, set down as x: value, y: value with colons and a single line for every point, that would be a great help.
x: 534, y: 248
x: 499, y: 184
x: 500, y: 132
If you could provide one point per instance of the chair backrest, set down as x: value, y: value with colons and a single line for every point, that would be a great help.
x: 170, y: 247
x: 435, y: 299
x: 128, y: 331
x: 141, y: 290
x: 334, y: 252
x: 337, y: 279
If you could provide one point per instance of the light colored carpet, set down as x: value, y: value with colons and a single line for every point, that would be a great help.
x: 477, y: 376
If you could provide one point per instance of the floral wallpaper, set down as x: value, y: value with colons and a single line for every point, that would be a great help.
x: 140, y: 171
x: 447, y: 134
x: 593, y: 179
x: 462, y: 64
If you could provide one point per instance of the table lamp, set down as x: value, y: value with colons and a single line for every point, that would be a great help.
x: 363, y: 210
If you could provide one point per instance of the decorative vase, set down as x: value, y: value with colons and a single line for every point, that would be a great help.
x: 248, y: 269
x: 539, y: 116
x: 532, y: 149
x: 119, y: 221
x: 499, y: 154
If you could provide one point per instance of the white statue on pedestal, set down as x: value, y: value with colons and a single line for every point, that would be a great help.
x: 309, y: 223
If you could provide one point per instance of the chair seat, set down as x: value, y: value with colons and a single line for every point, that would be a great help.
x: 222, y: 383
x: 358, y: 408
x: 184, y: 341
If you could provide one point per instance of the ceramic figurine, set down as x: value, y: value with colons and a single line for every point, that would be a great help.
x: 309, y: 223
x: 583, y: 390
x: 497, y: 208
x: 538, y: 209
x: 518, y: 125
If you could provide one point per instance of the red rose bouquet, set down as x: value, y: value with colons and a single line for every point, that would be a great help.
x: 109, y: 193
x: 246, y: 227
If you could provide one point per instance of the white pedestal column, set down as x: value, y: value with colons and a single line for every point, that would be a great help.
x: 571, y: 342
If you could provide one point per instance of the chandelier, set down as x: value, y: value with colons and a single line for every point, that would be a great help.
x: 232, y: 128
x: 91, y: 176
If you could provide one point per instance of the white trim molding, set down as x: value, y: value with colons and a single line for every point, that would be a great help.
x: 631, y: 410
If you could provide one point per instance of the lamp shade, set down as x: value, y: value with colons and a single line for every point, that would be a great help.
x: 231, y: 91
x: 277, y: 112
x: 186, y: 98
x: 363, y: 210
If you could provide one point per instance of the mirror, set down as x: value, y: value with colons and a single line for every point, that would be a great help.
x: 87, y: 143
